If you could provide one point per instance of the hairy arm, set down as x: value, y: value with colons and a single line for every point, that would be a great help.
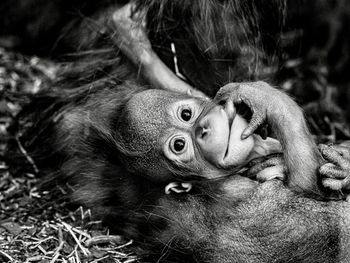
x: 301, y: 156
x: 131, y: 38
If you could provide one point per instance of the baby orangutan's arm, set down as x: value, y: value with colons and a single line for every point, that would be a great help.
x: 301, y: 156
x: 131, y: 38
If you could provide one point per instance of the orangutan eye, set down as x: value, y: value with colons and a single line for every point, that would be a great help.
x: 186, y: 114
x: 179, y: 148
x: 178, y: 145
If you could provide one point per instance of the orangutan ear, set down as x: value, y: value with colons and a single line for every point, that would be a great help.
x: 176, y: 187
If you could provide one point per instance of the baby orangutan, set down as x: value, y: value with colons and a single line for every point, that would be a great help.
x: 165, y: 135
x: 168, y: 136
x: 121, y: 147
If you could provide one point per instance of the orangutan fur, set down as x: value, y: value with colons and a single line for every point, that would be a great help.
x: 72, y: 136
